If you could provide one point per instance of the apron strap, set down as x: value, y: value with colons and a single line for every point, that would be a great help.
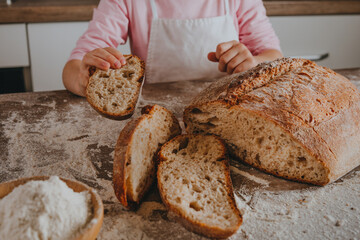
x: 227, y: 10
x: 153, y: 8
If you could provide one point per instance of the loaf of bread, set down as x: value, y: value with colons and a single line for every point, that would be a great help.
x: 291, y: 118
x: 115, y: 92
x: 194, y: 183
x: 134, y: 168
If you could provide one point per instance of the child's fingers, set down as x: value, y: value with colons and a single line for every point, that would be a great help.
x: 212, y: 57
x: 92, y: 60
x: 243, y: 61
x: 224, y: 47
x: 117, y: 54
x: 107, y: 56
x: 234, y: 63
x: 227, y: 58
x: 245, y: 65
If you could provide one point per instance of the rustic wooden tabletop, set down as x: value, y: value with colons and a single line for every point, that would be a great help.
x: 58, y: 133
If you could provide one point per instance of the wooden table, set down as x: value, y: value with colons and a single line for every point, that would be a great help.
x: 58, y: 133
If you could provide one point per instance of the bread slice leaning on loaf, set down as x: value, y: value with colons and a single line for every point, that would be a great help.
x: 291, y: 118
x: 115, y: 92
x: 134, y: 168
x: 194, y: 183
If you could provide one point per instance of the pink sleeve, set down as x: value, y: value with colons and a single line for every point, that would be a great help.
x: 255, y: 30
x: 108, y: 28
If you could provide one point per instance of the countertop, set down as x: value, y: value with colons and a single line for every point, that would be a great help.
x: 58, y: 133
x: 32, y: 11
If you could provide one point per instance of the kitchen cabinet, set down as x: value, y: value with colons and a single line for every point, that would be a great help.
x: 13, y: 46
x: 337, y: 35
x: 50, y: 46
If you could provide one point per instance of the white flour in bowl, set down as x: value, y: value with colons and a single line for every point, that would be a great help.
x: 44, y: 210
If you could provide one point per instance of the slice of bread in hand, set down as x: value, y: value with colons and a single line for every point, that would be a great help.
x: 194, y: 183
x: 115, y: 92
x: 134, y: 168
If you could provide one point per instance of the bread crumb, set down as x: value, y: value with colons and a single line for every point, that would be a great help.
x: 338, y: 223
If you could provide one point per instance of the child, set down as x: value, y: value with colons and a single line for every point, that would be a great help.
x: 179, y: 40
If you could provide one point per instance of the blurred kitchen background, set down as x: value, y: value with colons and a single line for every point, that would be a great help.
x: 37, y: 36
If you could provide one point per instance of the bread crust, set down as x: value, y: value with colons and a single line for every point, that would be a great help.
x: 128, y: 112
x: 198, y: 227
x: 317, y: 107
x: 122, y: 157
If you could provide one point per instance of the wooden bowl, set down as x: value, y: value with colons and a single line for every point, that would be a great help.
x: 91, y: 230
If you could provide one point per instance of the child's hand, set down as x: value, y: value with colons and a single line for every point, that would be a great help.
x: 102, y: 58
x: 233, y: 57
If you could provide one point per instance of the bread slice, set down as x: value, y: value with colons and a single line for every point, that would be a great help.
x: 291, y: 118
x: 115, y: 92
x: 134, y: 169
x: 194, y: 183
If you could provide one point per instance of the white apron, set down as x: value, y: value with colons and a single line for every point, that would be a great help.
x: 178, y: 48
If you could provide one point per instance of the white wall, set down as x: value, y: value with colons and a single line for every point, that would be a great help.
x: 308, y: 35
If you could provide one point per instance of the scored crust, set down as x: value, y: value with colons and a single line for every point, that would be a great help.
x: 139, y: 78
x: 122, y: 157
x: 318, y: 108
x: 198, y: 226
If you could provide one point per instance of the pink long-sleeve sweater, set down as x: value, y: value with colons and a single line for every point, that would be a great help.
x: 116, y: 20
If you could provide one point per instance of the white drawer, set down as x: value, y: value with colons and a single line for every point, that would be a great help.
x: 13, y: 46
x: 339, y: 36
